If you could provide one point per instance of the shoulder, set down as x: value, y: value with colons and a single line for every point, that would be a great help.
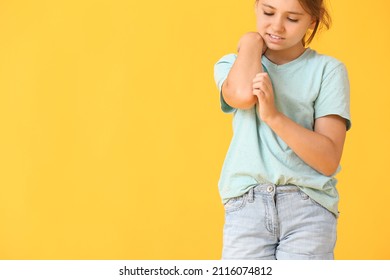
x: 227, y: 59
x: 324, y: 60
x: 222, y: 67
x: 326, y: 63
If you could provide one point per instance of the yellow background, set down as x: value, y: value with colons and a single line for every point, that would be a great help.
x: 112, y: 138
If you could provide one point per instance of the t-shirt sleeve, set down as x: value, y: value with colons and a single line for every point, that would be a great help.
x: 333, y: 98
x: 221, y: 71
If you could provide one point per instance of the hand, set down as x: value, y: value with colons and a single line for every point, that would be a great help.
x: 252, y: 39
x: 262, y: 89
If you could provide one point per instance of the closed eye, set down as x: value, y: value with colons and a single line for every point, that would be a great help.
x: 292, y: 20
x: 268, y: 14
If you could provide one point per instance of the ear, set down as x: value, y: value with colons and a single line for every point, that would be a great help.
x: 313, y: 23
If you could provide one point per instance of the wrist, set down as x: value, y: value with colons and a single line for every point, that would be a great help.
x: 274, y: 119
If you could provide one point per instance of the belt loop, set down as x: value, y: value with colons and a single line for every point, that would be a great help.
x: 251, y: 195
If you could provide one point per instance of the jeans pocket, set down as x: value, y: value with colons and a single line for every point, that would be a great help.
x: 235, y: 203
x: 322, y: 207
x: 303, y: 195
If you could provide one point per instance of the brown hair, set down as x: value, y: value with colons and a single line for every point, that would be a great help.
x: 315, y: 8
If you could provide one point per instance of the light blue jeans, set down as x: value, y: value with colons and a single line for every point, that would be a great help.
x: 278, y: 222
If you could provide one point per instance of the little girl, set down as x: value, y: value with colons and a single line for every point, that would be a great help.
x: 291, y: 114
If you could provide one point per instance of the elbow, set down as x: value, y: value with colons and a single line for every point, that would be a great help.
x: 239, y: 98
x: 329, y: 160
x: 240, y: 102
x: 328, y: 173
x: 247, y: 99
x: 329, y: 169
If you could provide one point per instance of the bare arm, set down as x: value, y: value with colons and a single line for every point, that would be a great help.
x: 320, y: 148
x: 237, y: 88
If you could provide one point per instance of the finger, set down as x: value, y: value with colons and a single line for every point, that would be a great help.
x: 261, y: 77
x: 256, y: 79
x: 258, y: 85
x: 258, y: 88
x: 261, y: 86
x: 256, y: 91
x: 259, y: 80
x: 259, y: 94
x: 263, y: 83
x: 265, y: 87
x: 261, y: 74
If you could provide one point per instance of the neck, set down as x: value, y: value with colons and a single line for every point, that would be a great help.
x: 280, y: 57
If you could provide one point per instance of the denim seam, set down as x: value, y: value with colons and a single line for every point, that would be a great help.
x: 319, y: 205
x: 241, y: 205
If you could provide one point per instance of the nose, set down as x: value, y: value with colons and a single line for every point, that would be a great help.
x: 277, y: 25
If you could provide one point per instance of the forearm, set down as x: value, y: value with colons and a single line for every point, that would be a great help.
x: 237, y: 88
x: 315, y: 149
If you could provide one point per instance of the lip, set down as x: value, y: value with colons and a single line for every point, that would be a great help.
x: 274, y: 38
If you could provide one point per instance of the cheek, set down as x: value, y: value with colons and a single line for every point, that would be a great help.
x: 261, y: 23
x: 304, y: 31
x: 298, y: 30
x: 303, y: 28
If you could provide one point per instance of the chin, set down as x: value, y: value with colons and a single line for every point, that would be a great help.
x: 275, y: 48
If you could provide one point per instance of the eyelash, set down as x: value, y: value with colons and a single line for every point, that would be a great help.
x: 290, y: 19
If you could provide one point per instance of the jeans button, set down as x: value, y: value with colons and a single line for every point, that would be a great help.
x: 270, y: 189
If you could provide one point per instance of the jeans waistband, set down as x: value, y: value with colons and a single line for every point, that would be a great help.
x: 268, y: 188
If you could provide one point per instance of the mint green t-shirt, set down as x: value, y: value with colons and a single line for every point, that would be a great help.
x: 309, y: 87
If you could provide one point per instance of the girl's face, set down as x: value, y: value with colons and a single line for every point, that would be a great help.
x: 282, y: 24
